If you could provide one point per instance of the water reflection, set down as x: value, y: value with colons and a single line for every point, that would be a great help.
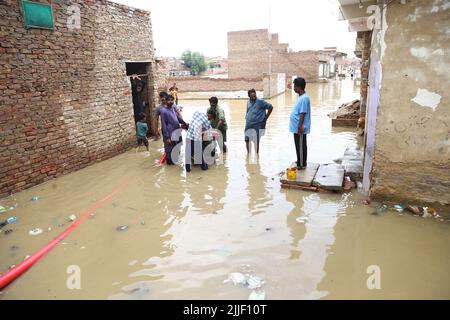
x: 312, y: 230
x: 259, y: 197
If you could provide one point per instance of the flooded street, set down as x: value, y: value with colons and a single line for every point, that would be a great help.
x: 188, y: 232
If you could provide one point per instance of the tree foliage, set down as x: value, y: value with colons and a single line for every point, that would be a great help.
x: 194, y: 61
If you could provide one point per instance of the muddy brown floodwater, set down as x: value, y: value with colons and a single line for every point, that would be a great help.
x: 187, y: 233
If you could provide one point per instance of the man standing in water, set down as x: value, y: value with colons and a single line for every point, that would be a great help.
x: 300, y: 121
x: 255, y: 119
x: 162, y: 100
x: 198, y: 140
x: 219, y: 121
x: 170, y: 123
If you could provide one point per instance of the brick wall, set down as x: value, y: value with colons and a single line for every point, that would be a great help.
x: 366, y: 38
x: 65, y: 98
x: 303, y: 63
x: 248, y: 57
x: 198, y: 84
x: 162, y: 68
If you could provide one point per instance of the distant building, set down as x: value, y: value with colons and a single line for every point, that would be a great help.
x: 252, y: 53
x: 216, y: 66
x: 176, y: 68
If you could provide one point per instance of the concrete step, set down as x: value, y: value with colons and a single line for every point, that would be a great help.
x: 304, y: 177
x: 329, y: 177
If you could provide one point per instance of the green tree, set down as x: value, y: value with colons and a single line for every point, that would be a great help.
x: 194, y: 61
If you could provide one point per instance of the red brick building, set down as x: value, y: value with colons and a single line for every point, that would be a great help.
x: 253, y: 52
x: 65, y: 99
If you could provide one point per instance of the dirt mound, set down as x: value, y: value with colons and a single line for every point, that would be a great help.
x: 349, y: 110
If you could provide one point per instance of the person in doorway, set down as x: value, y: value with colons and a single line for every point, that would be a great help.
x: 173, y: 91
x: 300, y: 122
x: 218, y: 121
x: 137, y: 89
x: 198, y: 139
x: 171, y: 129
x: 258, y: 111
x: 141, y: 131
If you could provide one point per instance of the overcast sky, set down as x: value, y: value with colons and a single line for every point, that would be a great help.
x: 202, y: 25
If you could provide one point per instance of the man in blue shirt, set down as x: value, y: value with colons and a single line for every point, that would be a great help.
x: 300, y: 121
x: 255, y: 119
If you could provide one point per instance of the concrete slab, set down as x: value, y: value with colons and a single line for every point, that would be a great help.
x: 304, y: 177
x: 353, y: 169
x: 352, y: 163
x: 329, y: 177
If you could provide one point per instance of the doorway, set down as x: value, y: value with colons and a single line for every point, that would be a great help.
x: 143, y: 71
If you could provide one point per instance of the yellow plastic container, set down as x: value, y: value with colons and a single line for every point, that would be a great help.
x: 291, y: 173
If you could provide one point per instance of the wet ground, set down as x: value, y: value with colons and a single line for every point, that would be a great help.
x: 187, y: 233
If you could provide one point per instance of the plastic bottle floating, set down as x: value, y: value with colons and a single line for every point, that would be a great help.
x: 35, y: 231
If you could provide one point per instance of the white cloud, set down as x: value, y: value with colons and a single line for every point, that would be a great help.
x: 202, y: 25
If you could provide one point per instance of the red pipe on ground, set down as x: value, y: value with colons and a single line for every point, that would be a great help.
x: 10, y: 275
x: 163, y: 158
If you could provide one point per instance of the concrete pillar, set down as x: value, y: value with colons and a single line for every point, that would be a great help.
x: 274, y: 84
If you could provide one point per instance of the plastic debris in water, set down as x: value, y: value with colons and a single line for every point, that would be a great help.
x: 35, y: 231
x: 237, y: 278
x: 2, y: 209
x: 301, y: 219
x: 380, y: 209
x: 122, y: 228
x: 35, y: 198
x: 11, y: 220
x: 247, y: 281
x: 414, y: 209
x: 72, y: 217
x: 257, y: 295
x: 255, y: 282
x: 428, y: 212
x: 398, y: 207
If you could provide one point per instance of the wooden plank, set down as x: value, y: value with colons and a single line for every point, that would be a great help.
x: 329, y: 177
x: 292, y: 186
x: 304, y: 177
